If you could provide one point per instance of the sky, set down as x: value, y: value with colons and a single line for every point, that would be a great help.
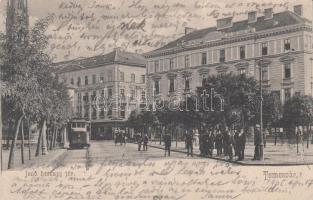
x: 85, y: 28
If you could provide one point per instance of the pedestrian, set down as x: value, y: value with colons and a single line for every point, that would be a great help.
x: 219, y: 143
x: 225, y: 142
x: 121, y: 136
x: 257, y: 142
x: 189, y: 143
x: 242, y: 145
x: 115, y: 137
x: 236, y: 143
x: 211, y: 139
x: 145, y: 142
x: 139, y: 141
x: 205, y: 143
x: 264, y: 139
x: 125, y: 137
x: 230, y: 144
x: 168, y: 143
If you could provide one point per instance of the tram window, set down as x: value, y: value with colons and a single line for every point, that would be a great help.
x: 78, y: 125
x: 73, y: 125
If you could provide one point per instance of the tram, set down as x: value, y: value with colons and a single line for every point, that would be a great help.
x: 79, y: 134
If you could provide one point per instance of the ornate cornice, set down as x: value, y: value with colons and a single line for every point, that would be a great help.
x: 171, y: 75
x: 250, y: 36
x: 263, y: 62
x: 222, y: 69
x: 204, y: 71
x: 242, y: 65
x: 287, y: 59
x: 156, y: 77
x: 186, y: 73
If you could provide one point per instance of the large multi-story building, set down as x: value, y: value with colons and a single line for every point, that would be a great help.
x: 279, y: 42
x: 106, y: 88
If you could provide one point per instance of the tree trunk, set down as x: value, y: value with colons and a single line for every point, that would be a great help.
x: 308, y: 138
x: 176, y: 136
x: 22, y: 144
x: 162, y: 128
x: 29, y: 133
x: 55, y: 133
x: 50, y: 137
x: 44, y: 146
x: 39, y: 142
x: 13, y: 145
x: 8, y: 136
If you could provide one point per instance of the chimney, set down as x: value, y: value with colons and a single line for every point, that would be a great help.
x: 298, y: 9
x: 189, y: 30
x: 224, y: 23
x: 268, y: 13
x: 252, y: 17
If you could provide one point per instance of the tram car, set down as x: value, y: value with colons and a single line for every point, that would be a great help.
x: 79, y: 134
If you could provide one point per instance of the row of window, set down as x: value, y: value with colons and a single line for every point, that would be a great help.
x: 93, y: 95
x: 101, y: 113
x: 222, y: 57
x: 265, y: 77
x: 171, y: 86
x: 102, y: 79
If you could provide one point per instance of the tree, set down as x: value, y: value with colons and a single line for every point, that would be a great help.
x: 32, y: 90
x: 231, y: 93
x: 298, y: 111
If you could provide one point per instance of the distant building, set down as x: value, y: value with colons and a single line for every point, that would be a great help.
x: 279, y: 42
x: 106, y: 88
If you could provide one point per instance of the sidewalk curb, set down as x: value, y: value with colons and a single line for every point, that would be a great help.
x: 51, y: 162
x: 236, y: 162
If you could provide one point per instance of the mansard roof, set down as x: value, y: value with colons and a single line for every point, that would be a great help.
x: 115, y: 57
x: 286, y: 18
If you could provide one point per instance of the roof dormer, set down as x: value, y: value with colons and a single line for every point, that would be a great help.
x: 224, y: 23
x: 252, y: 17
x: 268, y: 13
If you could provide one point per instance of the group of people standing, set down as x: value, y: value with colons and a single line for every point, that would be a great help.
x: 142, y: 141
x: 226, y: 142
x: 120, y: 137
x: 229, y: 143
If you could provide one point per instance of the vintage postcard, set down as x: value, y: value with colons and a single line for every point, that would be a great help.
x: 156, y: 100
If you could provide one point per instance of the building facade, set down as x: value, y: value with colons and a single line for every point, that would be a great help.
x: 106, y: 89
x: 279, y: 43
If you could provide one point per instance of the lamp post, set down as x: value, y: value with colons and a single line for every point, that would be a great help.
x: 1, y: 161
x: 261, y: 115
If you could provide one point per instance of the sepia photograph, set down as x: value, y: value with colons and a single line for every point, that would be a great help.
x: 156, y: 100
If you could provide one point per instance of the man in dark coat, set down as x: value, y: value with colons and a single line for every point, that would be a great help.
x: 242, y: 145
x: 168, y: 143
x: 189, y: 143
x: 225, y: 142
x: 211, y: 139
x: 257, y: 142
x: 139, y: 140
x: 145, y: 142
x: 236, y: 143
x: 230, y: 144
x: 219, y: 143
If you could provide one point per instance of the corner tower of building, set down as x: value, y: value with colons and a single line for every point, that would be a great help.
x: 17, y: 21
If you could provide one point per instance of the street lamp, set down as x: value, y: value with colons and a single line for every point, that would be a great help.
x: 1, y: 160
x: 261, y: 115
